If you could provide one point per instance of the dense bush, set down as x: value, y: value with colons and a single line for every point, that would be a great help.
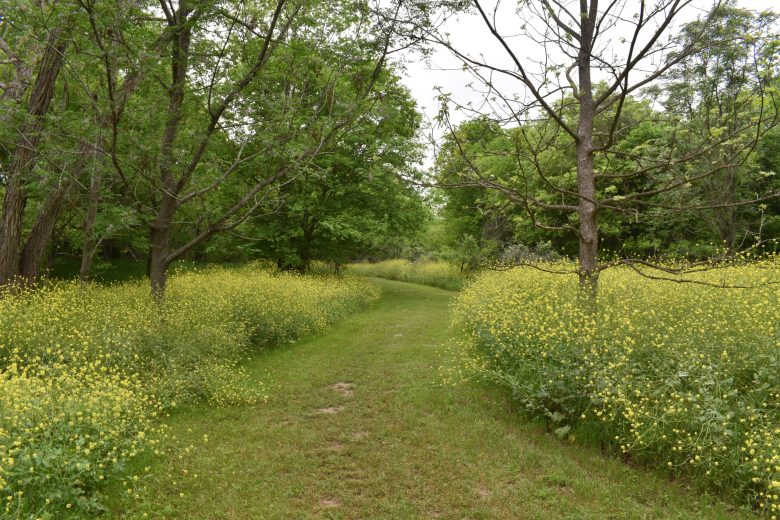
x: 682, y: 375
x: 86, y: 371
x: 438, y: 274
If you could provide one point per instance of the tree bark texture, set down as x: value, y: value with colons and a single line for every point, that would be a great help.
x: 23, y: 160
x: 163, y: 222
x: 586, y: 179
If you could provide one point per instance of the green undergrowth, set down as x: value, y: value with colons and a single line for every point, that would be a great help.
x: 681, y: 376
x: 87, y: 371
x: 360, y: 423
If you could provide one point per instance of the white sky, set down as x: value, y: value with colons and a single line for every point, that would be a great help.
x: 469, y: 32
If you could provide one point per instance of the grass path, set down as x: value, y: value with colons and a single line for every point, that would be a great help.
x: 357, y: 426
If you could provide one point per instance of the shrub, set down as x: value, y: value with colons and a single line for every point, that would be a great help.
x: 87, y: 371
x: 682, y: 375
x: 66, y: 432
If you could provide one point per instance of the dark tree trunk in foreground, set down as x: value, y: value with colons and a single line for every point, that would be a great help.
x: 23, y: 159
x: 41, y: 234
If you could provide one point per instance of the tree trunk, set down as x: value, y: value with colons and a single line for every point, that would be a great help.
x: 160, y: 242
x: 23, y: 159
x: 14, y: 202
x: 161, y: 227
x: 90, y: 243
x: 41, y: 233
x: 726, y: 215
x: 586, y: 178
x: 158, y: 262
x: 727, y: 227
x: 586, y: 188
x: 304, y: 252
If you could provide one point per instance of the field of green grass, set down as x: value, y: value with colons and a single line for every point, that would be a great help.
x: 359, y: 424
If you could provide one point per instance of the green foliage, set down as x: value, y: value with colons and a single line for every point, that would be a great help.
x: 472, y: 209
x: 88, y: 370
x: 679, y: 375
x: 356, y: 201
x: 683, y: 166
x: 332, y: 133
x: 473, y: 217
x: 723, y: 94
x: 388, y: 452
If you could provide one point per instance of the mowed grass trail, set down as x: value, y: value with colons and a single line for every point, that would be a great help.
x: 358, y: 425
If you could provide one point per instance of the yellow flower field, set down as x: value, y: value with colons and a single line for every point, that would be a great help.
x: 681, y: 375
x: 87, y: 371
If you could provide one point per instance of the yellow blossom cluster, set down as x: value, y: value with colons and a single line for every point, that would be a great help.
x: 87, y: 371
x: 678, y: 374
x: 437, y: 274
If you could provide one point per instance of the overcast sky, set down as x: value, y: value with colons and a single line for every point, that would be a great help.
x: 469, y: 32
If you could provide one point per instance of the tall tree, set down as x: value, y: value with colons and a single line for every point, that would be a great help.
x: 23, y: 157
x: 719, y: 91
x: 356, y: 199
x: 220, y: 55
x: 574, y: 63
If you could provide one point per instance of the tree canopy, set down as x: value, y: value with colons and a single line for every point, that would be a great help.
x: 226, y: 130
x: 150, y: 128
